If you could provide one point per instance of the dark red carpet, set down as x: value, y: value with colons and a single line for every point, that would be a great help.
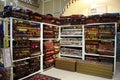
x: 41, y: 77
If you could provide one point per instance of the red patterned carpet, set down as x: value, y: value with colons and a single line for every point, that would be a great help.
x: 41, y: 77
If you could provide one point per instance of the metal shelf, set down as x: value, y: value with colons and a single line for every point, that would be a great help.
x: 33, y: 56
x: 50, y: 39
x: 74, y: 35
x: 34, y: 38
x: 36, y: 53
x: 71, y: 45
x: 91, y: 54
x: 69, y: 25
x: 48, y: 24
x: 21, y: 59
x: 67, y: 55
x: 24, y: 20
x: 73, y: 29
x: 92, y: 24
x: 100, y: 40
x: 71, y: 35
x: 107, y: 39
x: 37, y: 37
x: 105, y: 50
x: 114, y: 25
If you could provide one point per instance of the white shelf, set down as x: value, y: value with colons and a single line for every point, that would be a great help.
x: 90, y: 54
x: 105, y: 50
x: 107, y: 39
x: 114, y: 25
x: 48, y: 24
x: 100, y: 40
x: 69, y: 25
x: 71, y: 46
x: 1, y: 19
x: 34, y: 38
x: 50, y: 39
x: 99, y: 23
x: 71, y: 35
x: 29, y: 75
x: 73, y: 29
x: 118, y: 32
x: 36, y: 53
x: 21, y: 59
x: 30, y: 39
x: 91, y: 39
x: 67, y: 55
x: 33, y: 56
x: 24, y: 20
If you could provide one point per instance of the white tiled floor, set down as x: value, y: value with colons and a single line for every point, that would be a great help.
x: 67, y: 75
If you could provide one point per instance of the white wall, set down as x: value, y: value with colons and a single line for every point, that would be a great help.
x: 17, y: 3
x: 1, y: 5
x: 83, y: 6
x: 53, y: 7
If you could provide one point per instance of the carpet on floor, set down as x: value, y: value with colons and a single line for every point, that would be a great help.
x: 41, y: 77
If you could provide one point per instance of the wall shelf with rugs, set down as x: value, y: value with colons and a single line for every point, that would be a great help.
x: 71, y: 41
x: 51, y: 44
x: 100, y: 43
x: 25, y: 47
x: 118, y: 41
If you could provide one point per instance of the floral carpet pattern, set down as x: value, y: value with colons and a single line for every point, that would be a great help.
x: 41, y: 77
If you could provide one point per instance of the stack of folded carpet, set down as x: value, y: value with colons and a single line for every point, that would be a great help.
x: 87, y: 67
x: 93, y: 68
x: 65, y: 64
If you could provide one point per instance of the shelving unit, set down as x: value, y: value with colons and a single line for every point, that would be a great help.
x: 100, y: 43
x: 25, y: 48
x: 1, y: 40
x: 50, y: 44
x: 71, y: 41
x: 26, y: 41
x: 34, y: 46
x: 118, y: 41
x: 2, y: 33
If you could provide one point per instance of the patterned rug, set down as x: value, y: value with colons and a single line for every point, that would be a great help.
x: 41, y: 77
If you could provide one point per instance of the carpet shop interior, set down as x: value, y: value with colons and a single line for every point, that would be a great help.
x: 59, y: 40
